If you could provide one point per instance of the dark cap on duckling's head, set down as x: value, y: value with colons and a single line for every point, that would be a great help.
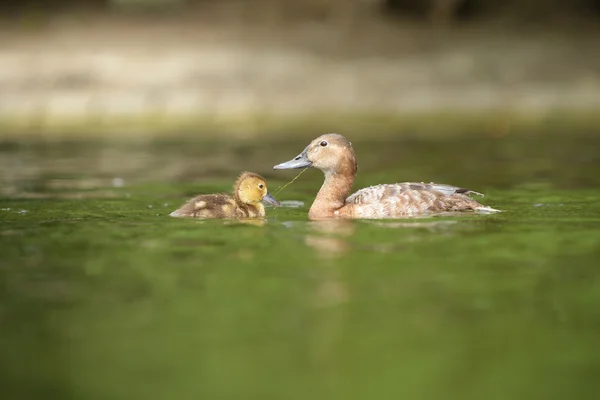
x: 251, y: 188
x: 331, y: 153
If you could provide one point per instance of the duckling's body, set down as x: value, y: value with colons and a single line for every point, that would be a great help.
x: 333, y: 154
x: 249, y: 190
x: 218, y: 206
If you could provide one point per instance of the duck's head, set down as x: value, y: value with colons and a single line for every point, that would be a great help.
x: 251, y: 188
x: 331, y: 153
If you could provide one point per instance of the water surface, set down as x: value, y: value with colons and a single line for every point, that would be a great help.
x: 103, y: 296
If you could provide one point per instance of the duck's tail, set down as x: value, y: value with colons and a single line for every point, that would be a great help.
x: 486, y: 210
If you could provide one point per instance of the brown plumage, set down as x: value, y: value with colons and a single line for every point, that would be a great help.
x: 333, y: 154
x: 248, y: 192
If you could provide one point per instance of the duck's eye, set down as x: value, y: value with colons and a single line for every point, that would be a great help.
x: 323, y: 143
x: 261, y: 186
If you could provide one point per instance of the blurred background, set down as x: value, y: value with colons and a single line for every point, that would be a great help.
x: 244, y: 65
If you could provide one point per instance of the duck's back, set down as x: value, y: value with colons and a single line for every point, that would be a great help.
x: 214, y: 206
x: 410, y: 199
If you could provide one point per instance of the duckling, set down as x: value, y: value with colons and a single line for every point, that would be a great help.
x: 333, y: 154
x: 248, y: 192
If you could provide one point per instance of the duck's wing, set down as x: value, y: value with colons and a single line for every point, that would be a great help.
x: 408, y: 198
x: 442, y: 188
x: 379, y: 193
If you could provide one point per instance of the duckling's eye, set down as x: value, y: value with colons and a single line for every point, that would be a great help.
x: 323, y: 143
x: 261, y: 186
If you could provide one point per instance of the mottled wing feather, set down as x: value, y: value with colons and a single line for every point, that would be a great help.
x: 437, y: 187
x: 379, y: 193
x: 409, y: 199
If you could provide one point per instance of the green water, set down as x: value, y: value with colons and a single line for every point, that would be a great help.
x: 103, y: 296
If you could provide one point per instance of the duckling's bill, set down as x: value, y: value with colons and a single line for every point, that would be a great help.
x: 300, y: 161
x: 270, y: 200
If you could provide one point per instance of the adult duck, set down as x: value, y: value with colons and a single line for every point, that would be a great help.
x: 333, y: 154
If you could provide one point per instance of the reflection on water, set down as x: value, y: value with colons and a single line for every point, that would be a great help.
x: 434, y: 226
x: 328, y: 237
x: 292, y: 203
x: 332, y: 238
x: 103, y: 295
x: 329, y: 240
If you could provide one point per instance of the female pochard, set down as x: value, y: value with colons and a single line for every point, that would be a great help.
x: 248, y: 192
x: 333, y: 154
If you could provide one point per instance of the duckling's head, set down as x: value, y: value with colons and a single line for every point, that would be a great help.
x: 251, y: 188
x: 331, y: 153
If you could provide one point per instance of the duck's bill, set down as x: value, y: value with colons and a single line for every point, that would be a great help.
x: 270, y: 200
x: 300, y: 161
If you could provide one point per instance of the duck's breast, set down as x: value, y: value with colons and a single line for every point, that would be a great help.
x: 250, y: 211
